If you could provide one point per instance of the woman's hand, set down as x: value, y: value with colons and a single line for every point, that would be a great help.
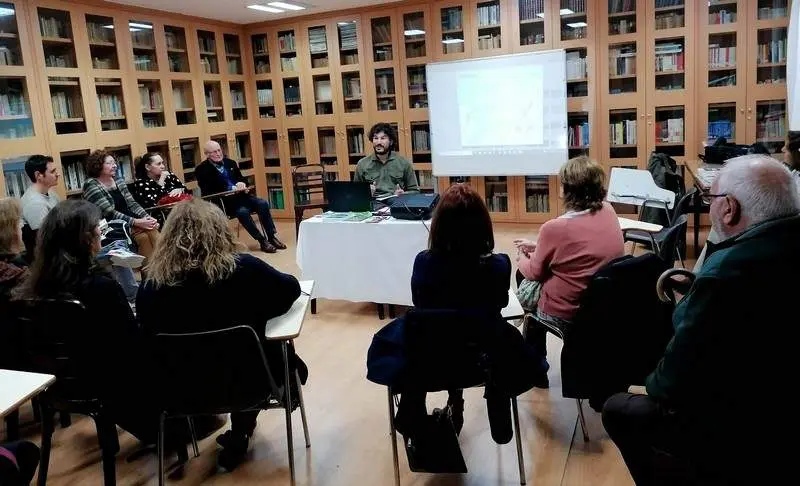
x: 526, y: 247
x: 175, y: 192
x: 148, y: 223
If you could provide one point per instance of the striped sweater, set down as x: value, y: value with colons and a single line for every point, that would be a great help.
x: 96, y: 193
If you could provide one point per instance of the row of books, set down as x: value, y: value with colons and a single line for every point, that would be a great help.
x: 619, y: 6
x: 8, y: 57
x: 319, y: 62
x: 490, y: 41
x: 180, y: 99
x: 286, y: 41
x: 104, y: 63
x: 264, y: 96
x: 109, y: 104
x: 719, y: 57
x: 578, y: 135
x: 241, y: 148
x: 231, y: 46
x: 425, y: 179
x: 317, y: 40
x: 207, y: 43
x: 351, y: 87
x: 54, y: 27
x: 238, y: 99
x: 415, y: 50
x: 262, y: 65
x: 348, y: 36
x: 420, y: 139
x: 59, y: 60
x: 498, y: 202
x: 530, y: 38
x: 622, y: 61
x: 671, y: 20
x: 12, y: 102
x: 74, y: 175
x: 721, y: 128
x: 623, y: 132
x: 622, y: 26
x: 178, y: 63
x: 64, y: 106
x: 384, y: 84
x: 722, y: 17
x: 669, y: 130
x: 576, y: 65
x: 381, y: 32
x: 416, y: 81
x: 669, y: 3
x: 234, y: 66
x: 291, y: 93
x: 530, y: 9
x: 322, y: 91
x: 771, y: 125
x: 270, y: 149
x: 213, y: 96
x: 572, y: 33
x: 452, y: 19
x: 150, y: 97
x: 538, y: 202
x: 355, y: 143
x: 577, y: 6
x: 209, y: 64
x: 348, y: 59
x: 152, y: 120
x: 19, y: 129
x: 173, y: 40
x: 288, y: 64
x: 387, y: 104
x: 276, y: 196
x: 773, y: 51
x: 17, y: 182
x: 669, y: 57
x: 777, y: 11
x: 260, y: 45
x: 327, y: 144
x: 489, y: 14
x: 98, y: 33
x: 297, y: 147
x: 143, y: 38
x: 144, y: 62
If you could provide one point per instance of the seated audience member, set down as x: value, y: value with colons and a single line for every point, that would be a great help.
x: 571, y: 248
x: 385, y: 170
x: 154, y: 181
x: 704, y: 415
x: 12, y: 267
x: 220, y: 174
x: 791, y: 153
x: 18, y: 463
x: 40, y: 197
x: 199, y: 281
x: 457, y: 271
x: 111, y: 195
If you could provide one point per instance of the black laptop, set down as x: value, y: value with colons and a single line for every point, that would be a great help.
x: 347, y: 196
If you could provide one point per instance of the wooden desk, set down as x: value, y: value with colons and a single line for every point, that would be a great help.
x: 288, y: 326
x: 17, y: 387
x: 703, y: 186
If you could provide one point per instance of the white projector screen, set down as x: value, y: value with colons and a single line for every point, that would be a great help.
x: 504, y: 115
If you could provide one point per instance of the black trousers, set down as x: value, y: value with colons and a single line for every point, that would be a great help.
x: 26, y: 455
x: 658, y: 446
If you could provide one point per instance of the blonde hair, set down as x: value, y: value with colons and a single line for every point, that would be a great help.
x: 10, y: 216
x: 583, y: 180
x: 195, y: 237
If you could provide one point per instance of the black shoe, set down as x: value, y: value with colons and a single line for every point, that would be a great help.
x: 267, y: 247
x: 456, y: 411
x: 234, y: 450
x: 277, y: 243
x: 499, y: 411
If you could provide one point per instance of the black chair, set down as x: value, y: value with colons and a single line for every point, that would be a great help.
x: 653, y: 241
x: 308, y: 187
x: 52, y: 341
x: 444, y: 350
x: 666, y: 243
x: 229, y: 374
x: 29, y: 240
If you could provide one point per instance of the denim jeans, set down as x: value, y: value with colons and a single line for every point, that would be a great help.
x: 123, y: 275
x: 249, y: 204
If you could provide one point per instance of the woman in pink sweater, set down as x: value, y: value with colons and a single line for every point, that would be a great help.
x: 572, y: 247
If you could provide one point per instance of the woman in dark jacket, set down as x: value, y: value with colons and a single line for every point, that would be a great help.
x: 460, y: 272
x: 12, y: 267
x: 154, y: 181
x: 198, y: 281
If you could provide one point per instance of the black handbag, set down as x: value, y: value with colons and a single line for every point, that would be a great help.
x: 434, y: 446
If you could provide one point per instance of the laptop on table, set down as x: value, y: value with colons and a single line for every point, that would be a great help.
x: 348, y: 196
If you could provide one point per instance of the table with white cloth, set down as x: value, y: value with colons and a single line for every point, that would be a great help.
x: 359, y: 261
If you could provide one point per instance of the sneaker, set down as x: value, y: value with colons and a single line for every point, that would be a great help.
x: 125, y: 258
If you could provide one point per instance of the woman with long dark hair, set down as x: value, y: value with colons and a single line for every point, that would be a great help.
x: 458, y: 271
x: 154, y: 181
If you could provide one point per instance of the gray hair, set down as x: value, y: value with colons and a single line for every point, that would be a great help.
x: 763, y: 186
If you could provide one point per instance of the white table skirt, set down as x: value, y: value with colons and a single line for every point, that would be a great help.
x: 361, y: 262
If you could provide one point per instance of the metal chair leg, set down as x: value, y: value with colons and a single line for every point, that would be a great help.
x: 195, y: 449
x: 288, y: 407
x: 393, y: 433
x: 381, y: 315
x: 302, y: 409
x: 313, y: 306
x: 48, y: 427
x: 582, y: 420
x: 520, y: 458
x: 161, y: 469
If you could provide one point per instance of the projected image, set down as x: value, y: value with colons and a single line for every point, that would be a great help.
x: 501, y: 108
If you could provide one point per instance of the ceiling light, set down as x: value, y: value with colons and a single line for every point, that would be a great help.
x: 5, y: 12
x: 264, y: 8
x: 287, y: 6
x: 414, y: 32
x: 141, y: 26
x: 576, y: 25
x: 565, y: 11
x: 453, y: 41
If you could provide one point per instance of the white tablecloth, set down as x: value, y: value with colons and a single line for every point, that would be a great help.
x: 361, y: 262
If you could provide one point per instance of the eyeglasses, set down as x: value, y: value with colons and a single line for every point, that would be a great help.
x: 709, y: 198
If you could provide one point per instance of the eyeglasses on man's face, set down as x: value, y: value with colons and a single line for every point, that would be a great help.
x: 709, y: 198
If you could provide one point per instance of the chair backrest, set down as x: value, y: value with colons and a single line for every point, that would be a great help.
x: 309, y: 184
x: 51, y: 339
x: 29, y: 240
x: 682, y: 207
x: 672, y: 238
x: 212, y: 372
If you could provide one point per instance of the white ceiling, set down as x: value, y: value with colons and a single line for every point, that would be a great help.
x: 236, y: 11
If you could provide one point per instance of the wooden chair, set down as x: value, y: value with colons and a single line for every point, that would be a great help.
x: 308, y: 184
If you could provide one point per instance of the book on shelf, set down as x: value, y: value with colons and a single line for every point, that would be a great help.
x: 489, y: 14
x: 621, y: 6
x: 98, y: 33
x: 7, y: 57
x: 773, y: 51
x: 425, y: 179
x: 53, y: 60
x: 420, y: 139
x: 489, y: 41
x: 669, y: 20
x: 124, y: 167
x: 721, y: 17
x: 348, y: 36
x: 319, y: 62
x: 721, y: 128
x: 355, y: 143
x: 577, y: 6
x: 327, y: 144
x: 352, y: 87
x: 669, y: 130
x: 384, y: 84
x: 12, y: 102
x: 622, y: 61
x: 531, y: 9
x: 231, y: 46
x: 579, y: 135
x: 109, y: 104
x: 291, y: 94
x: 144, y: 62
x: 237, y: 98
x: 213, y: 98
x: 207, y: 43
x: 669, y: 57
x: 179, y: 98
x: 537, y: 202
x: 498, y: 202
x: 64, y: 106
x: 576, y: 66
x: 322, y: 90
x: 452, y: 19
x: 350, y: 58
x: 259, y: 45
x: 241, y: 148
x: 289, y: 63
x: 771, y: 124
x: 669, y: 3
x: 297, y: 147
x: 276, y: 197
x: 777, y: 11
x: 264, y: 96
x: 622, y: 25
x: 233, y: 66
x: 286, y: 41
x: 381, y: 32
x: 721, y: 57
x: 623, y: 132
x: 317, y: 40
x: 54, y: 27
x: 271, y: 149
x: 102, y: 63
x: 143, y: 38
x: 150, y: 97
x: 173, y: 40
x: 262, y: 66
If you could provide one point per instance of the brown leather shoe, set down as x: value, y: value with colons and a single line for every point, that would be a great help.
x: 267, y: 247
x: 277, y: 243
